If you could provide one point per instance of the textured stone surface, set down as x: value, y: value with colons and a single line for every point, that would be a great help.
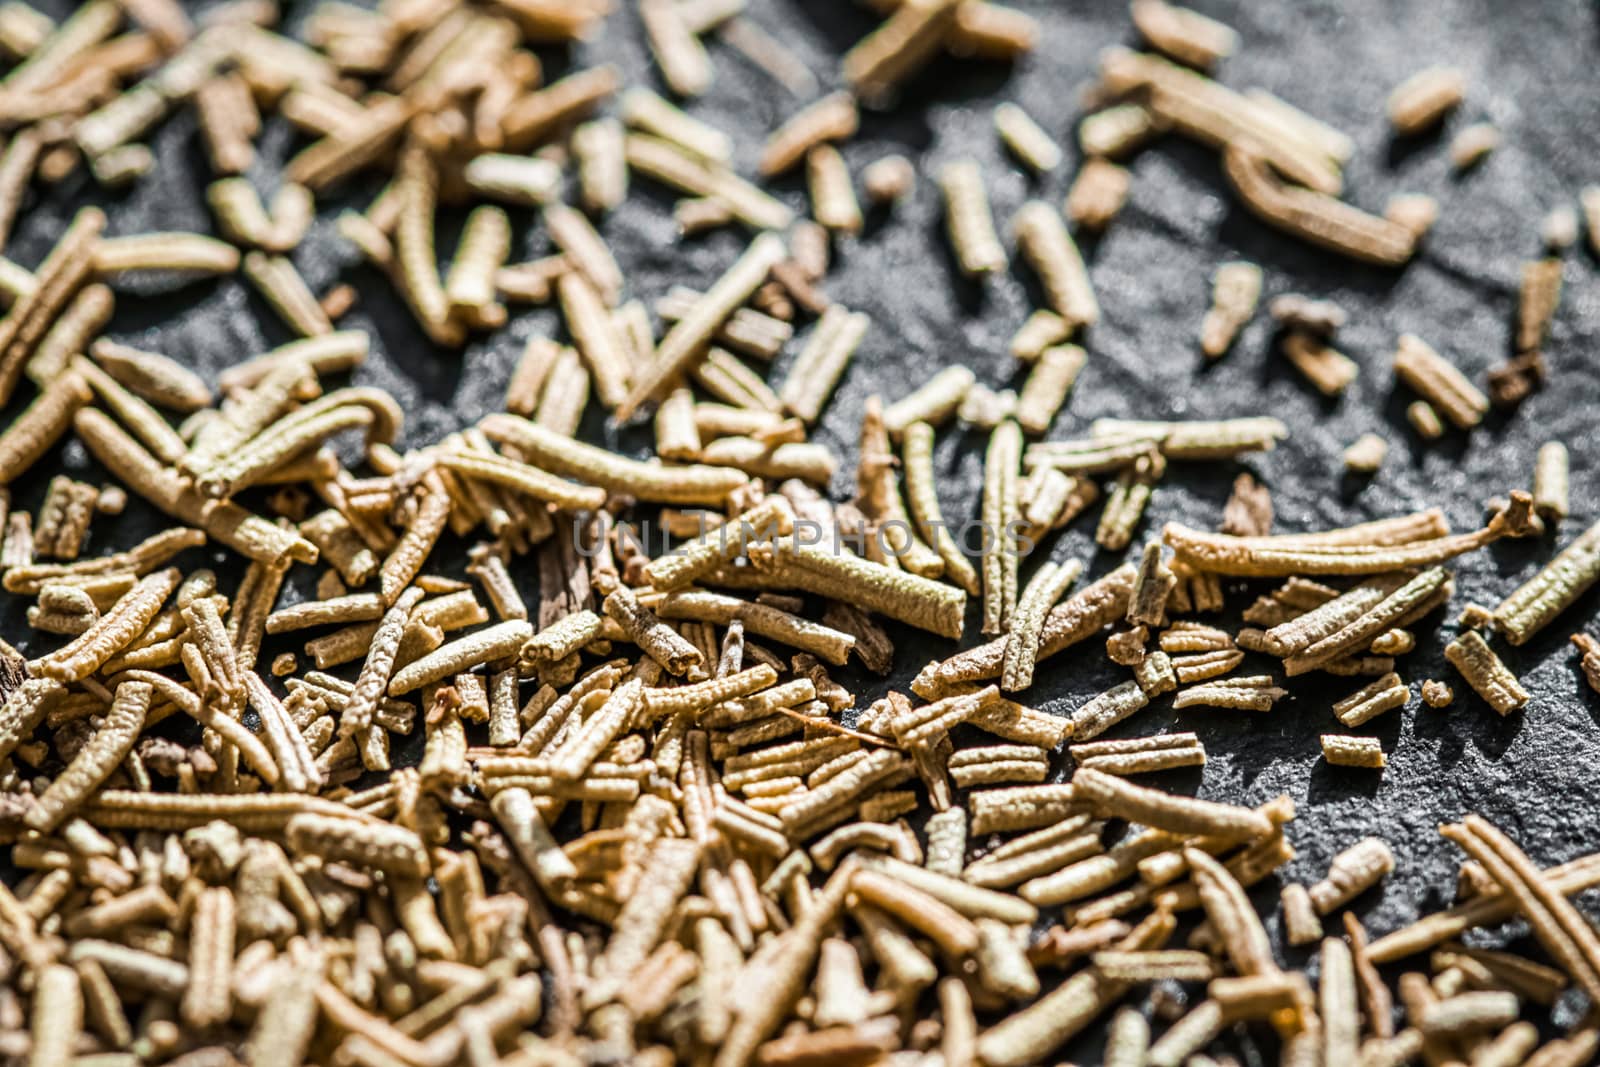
x: 1530, y: 72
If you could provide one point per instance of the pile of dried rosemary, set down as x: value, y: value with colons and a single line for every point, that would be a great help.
x: 649, y: 824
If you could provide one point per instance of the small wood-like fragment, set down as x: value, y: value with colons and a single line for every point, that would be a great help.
x: 1423, y: 99
x: 1026, y: 139
x: 969, y: 220
x: 1370, y: 701
x: 659, y: 641
x: 1119, y: 799
x: 1248, y: 512
x: 878, y: 63
x: 1320, y: 318
x: 1485, y: 672
x: 602, y: 164
x: 1550, y: 493
x: 1035, y: 602
x: 1472, y: 144
x: 1328, y: 369
x: 1048, y: 384
x: 1235, y: 291
x: 686, y: 341
x: 1440, y: 384
x: 1538, y: 298
x: 1097, y: 194
x: 832, y: 118
x: 1315, y: 217
x: 1050, y: 251
x: 1344, y: 751
x: 1042, y: 329
x: 833, y: 198
x: 1365, y: 454
x: 822, y: 361
x: 1116, y: 131
x: 1512, y: 381
x: 1425, y: 420
x: 1186, y: 35
x: 889, y: 179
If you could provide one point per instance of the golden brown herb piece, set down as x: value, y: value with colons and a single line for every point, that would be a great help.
x: 1328, y: 369
x: 1048, y: 384
x: 1187, y: 36
x: 1425, y: 420
x: 686, y: 341
x: 1118, y: 799
x: 154, y: 377
x: 1485, y: 672
x: 1025, y: 138
x: 885, y: 58
x: 1440, y: 384
x: 1315, y: 217
x: 1550, y: 493
x: 37, y: 428
x: 1207, y: 111
x: 57, y: 1018
x: 71, y: 332
x: 602, y: 166
x: 969, y: 220
x: 999, y: 515
x: 1437, y: 694
x: 1345, y: 751
x: 1555, y: 921
x: 1539, y: 296
x: 1235, y: 291
x: 1042, y: 329
x: 831, y: 118
x: 1370, y: 701
x: 1355, y: 551
x: 1472, y: 144
x: 1248, y: 512
x: 1127, y: 500
x: 1423, y: 99
x: 922, y: 500
x: 96, y: 761
x: 64, y: 271
x: 888, y: 179
x: 1537, y: 602
x: 932, y: 402
x: 683, y: 61
x: 1037, y: 599
x: 833, y: 197
x: 1253, y: 693
x: 1116, y: 131
x: 1043, y: 240
x: 1365, y: 454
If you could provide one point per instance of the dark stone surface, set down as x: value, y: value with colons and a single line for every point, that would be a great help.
x: 1530, y: 69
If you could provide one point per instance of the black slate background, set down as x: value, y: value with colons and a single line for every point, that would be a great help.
x: 1531, y: 71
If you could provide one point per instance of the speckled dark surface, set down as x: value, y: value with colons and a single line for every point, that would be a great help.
x: 1531, y: 72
